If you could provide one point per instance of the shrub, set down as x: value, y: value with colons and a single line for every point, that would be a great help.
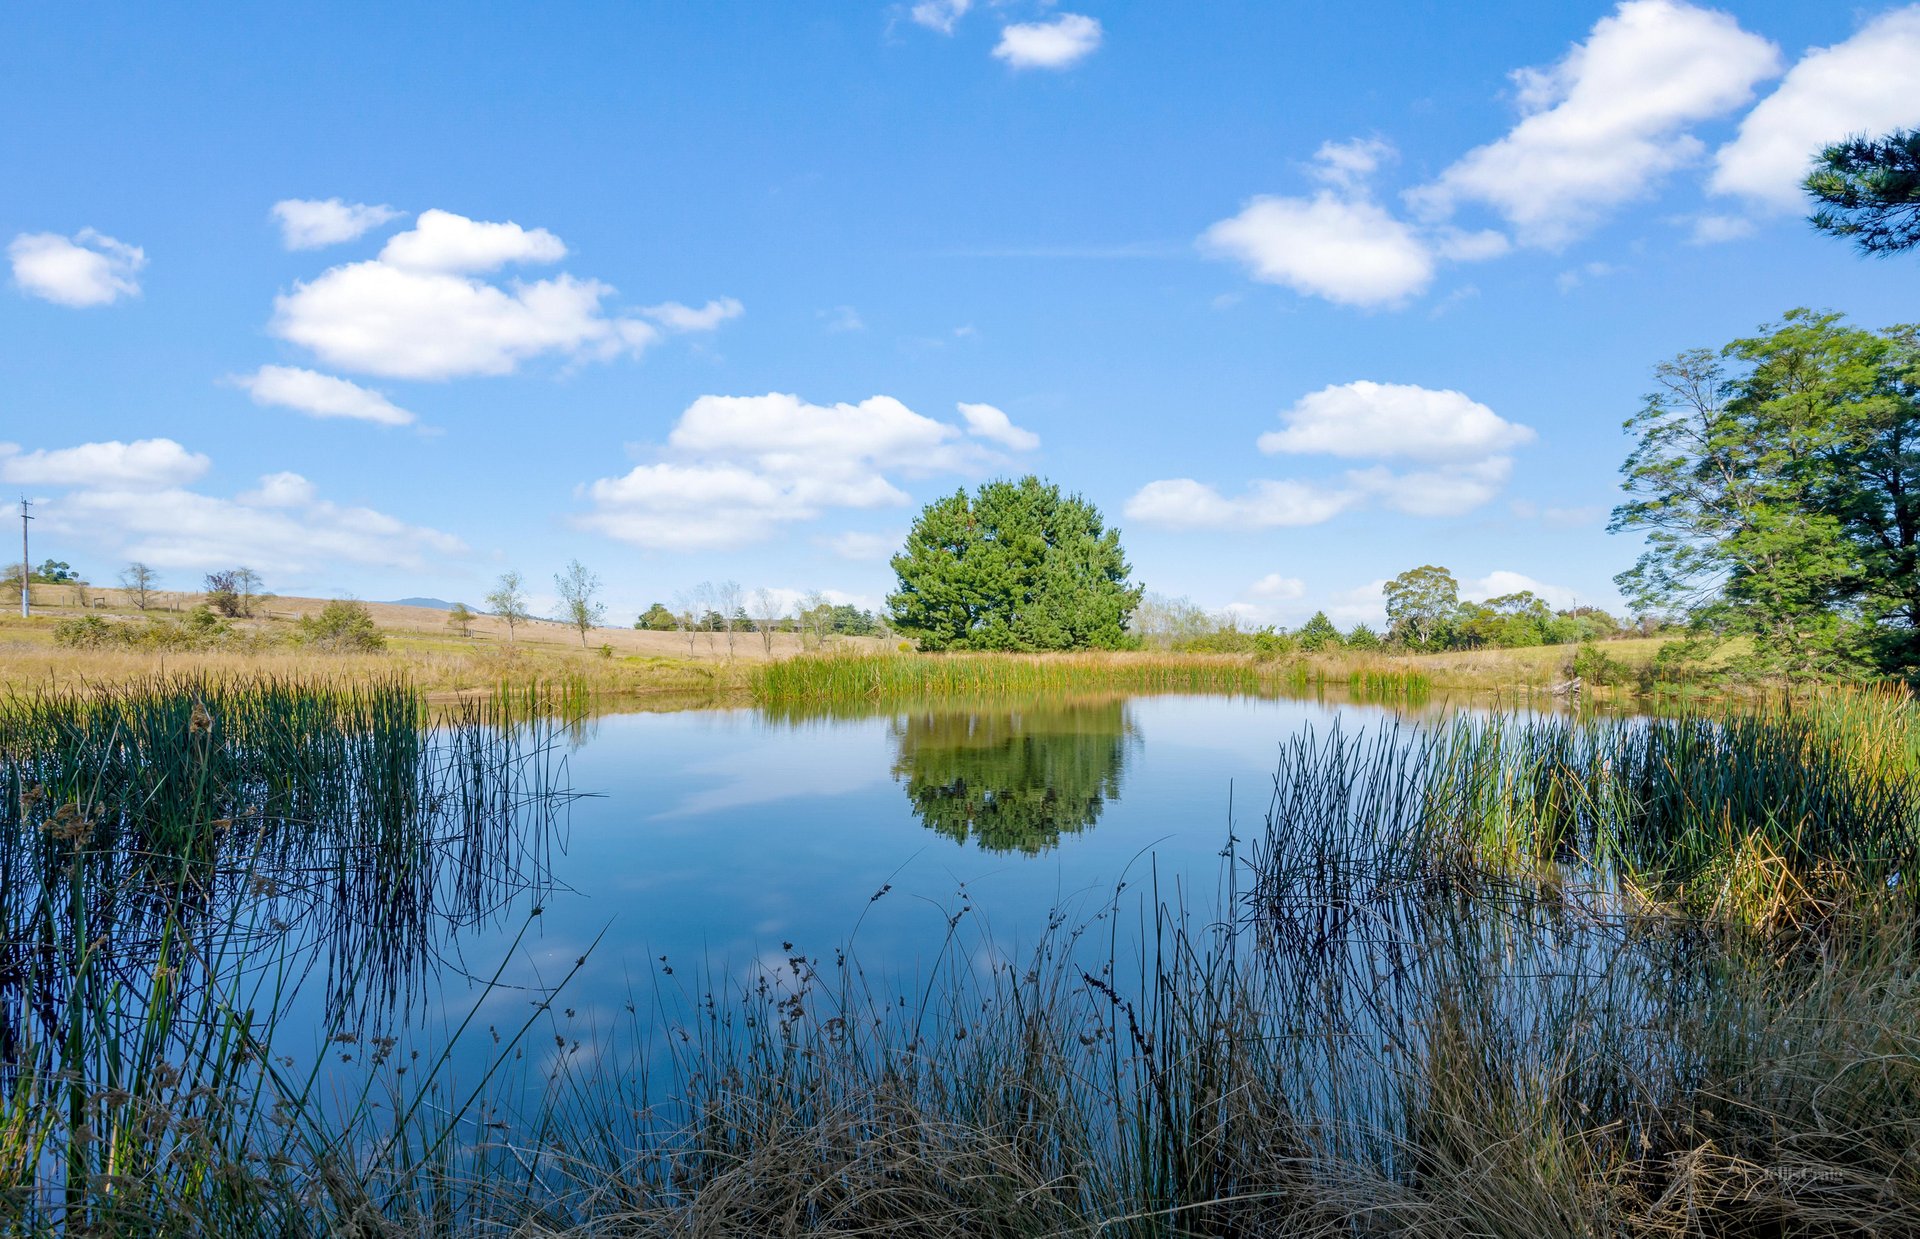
x: 1595, y: 666
x: 343, y: 626
x: 89, y: 632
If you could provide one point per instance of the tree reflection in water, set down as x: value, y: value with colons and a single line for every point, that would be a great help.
x: 1013, y: 779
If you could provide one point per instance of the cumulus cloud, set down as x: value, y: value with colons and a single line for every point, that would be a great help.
x: 940, y: 15
x: 133, y: 497
x: 422, y: 310
x: 443, y: 241
x: 1185, y: 504
x: 736, y: 468
x: 986, y: 422
x: 1278, y: 587
x: 1058, y: 44
x: 1599, y: 128
x: 310, y: 224
x: 1348, y: 250
x: 1867, y: 84
x: 1502, y: 582
x: 1459, y: 442
x: 86, y: 269
x: 141, y: 465
x: 1368, y: 419
x: 319, y: 395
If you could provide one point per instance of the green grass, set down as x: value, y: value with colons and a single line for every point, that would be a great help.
x: 884, y: 678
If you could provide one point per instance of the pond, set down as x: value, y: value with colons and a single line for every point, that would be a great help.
x: 300, y: 953
x: 720, y: 844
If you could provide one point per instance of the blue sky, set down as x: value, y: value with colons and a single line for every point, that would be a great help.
x: 384, y: 300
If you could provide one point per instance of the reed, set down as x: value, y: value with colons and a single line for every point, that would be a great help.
x: 883, y: 678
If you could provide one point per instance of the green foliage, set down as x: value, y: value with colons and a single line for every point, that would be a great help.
x: 460, y: 619
x: 88, y: 632
x: 343, y: 626
x: 1869, y: 191
x: 1318, y: 633
x: 1778, y: 487
x: 1363, y: 638
x: 656, y: 618
x: 1510, y: 621
x: 1420, y: 606
x: 1012, y: 780
x: 1015, y: 567
x: 508, y: 600
x: 1593, y: 665
x: 579, y: 602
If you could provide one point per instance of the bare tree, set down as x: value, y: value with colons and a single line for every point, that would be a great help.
x: 579, y: 604
x: 730, y: 597
x: 766, y: 612
x: 138, y: 580
x: 509, y: 601
x: 223, y: 592
x: 816, y: 619
x: 686, y: 613
x: 246, y: 583
x: 704, y: 596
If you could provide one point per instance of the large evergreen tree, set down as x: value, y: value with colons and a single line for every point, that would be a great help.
x: 1017, y: 566
x: 1778, y: 486
x: 1869, y: 191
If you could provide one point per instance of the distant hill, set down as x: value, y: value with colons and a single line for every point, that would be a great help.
x: 437, y: 604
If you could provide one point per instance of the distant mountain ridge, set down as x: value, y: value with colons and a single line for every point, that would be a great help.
x: 437, y: 604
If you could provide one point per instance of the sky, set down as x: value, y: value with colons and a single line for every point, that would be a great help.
x: 385, y: 300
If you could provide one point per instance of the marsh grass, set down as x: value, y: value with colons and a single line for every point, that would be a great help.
x: 887, y: 678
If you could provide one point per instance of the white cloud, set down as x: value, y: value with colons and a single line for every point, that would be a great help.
x: 419, y: 311
x: 1604, y: 124
x: 141, y: 465
x: 132, y: 497
x: 308, y: 224
x: 443, y: 241
x: 1348, y: 250
x: 736, y: 468
x: 1501, y: 582
x: 676, y: 317
x: 319, y: 395
x: 940, y: 15
x: 1280, y: 588
x: 1458, y: 438
x: 986, y: 422
x: 1182, y: 503
x: 1351, y: 164
x: 89, y: 268
x: 1714, y: 229
x: 1363, y: 604
x: 865, y: 547
x: 1380, y: 420
x: 1867, y: 84
x: 1057, y: 44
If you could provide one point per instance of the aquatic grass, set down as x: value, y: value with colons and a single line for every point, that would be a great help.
x: 848, y: 679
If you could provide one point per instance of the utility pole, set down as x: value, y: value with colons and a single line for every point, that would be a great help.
x: 26, y: 573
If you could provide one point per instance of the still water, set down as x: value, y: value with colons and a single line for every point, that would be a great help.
x: 712, y: 846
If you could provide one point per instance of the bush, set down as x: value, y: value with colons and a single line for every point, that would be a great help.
x: 343, y: 626
x: 1593, y: 665
x: 89, y: 632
